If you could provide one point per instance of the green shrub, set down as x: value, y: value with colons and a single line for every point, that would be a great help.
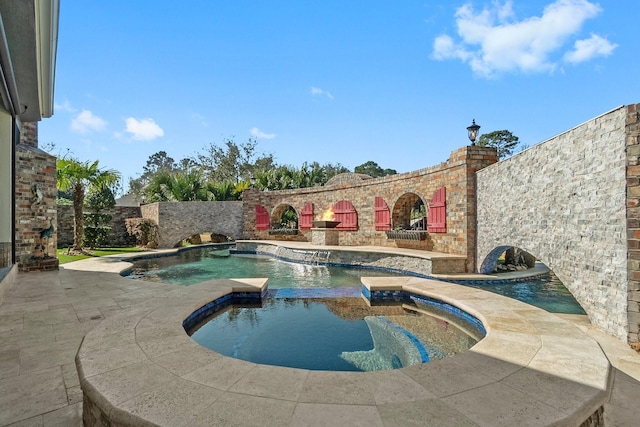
x: 145, y: 231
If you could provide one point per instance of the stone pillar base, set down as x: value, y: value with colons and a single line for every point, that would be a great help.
x: 48, y: 263
x: 325, y: 236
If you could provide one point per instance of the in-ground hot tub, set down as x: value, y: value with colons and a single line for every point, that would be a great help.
x: 335, y: 330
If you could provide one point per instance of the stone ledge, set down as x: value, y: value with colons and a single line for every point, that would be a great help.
x: 525, y: 369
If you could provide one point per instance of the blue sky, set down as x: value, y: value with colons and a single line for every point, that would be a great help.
x: 395, y: 82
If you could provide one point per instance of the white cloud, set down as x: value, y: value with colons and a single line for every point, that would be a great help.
x: 493, y: 41
x: 65, y: 106
x: 86, y: 122
x: 144, y: 129
x: 259, y: 134
x: 200, y: 119
x: 317, y: 91
x: 584, y: 50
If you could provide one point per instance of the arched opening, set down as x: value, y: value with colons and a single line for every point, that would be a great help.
x: 517, y: 274
x: 284, y: 220
x: 409, y: 213
x: 203, y: 238
x: 507, y: 258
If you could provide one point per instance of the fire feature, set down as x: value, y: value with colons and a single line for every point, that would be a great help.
x: 324, y: 229
x: 325, y: 224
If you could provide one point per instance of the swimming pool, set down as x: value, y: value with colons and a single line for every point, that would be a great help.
x: 197, y: 265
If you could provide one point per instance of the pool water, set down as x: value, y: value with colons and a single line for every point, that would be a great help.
x: 545, y: 291
x: 338, y: 334
x: 193, y: 266
x: 197, y: 265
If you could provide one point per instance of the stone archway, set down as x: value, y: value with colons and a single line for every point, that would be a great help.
x: 409, y: 213
x: 205, y: 237
x: 490, y: 262
x: 284, y: 216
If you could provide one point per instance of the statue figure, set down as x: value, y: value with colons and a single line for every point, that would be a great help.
x: 38, y: 196
x: 46, y: 233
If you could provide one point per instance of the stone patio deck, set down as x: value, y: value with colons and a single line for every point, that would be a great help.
x: 45, y: 316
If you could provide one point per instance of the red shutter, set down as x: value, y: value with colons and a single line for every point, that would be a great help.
x: 346, y: 214
x: 306, y: 217
x: 437, y: 218
x: 382, y: 216
x: 262, y: 218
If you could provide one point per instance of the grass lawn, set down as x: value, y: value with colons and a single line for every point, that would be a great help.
x: 64, y: 258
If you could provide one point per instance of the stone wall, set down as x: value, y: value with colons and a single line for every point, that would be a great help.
x: 369, y: 260
x: 118, y: 237
x: 457, y: 174
x: 35, y: 192
x: 633, y: 220
x: 177, y: 221
x: 564, y: 201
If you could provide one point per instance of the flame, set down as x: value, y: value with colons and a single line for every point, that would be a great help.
x: 327, y: 215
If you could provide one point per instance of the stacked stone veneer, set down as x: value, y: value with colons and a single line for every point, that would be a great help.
x: 371, y: 260
x: 457, y: 174
x: 118, y: 236
x: 633, y: 220
x: 564, y: 201
x: 177, y: 221
x: 34, y: 167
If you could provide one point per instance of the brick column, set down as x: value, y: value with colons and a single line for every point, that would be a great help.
x: 633, y: 221
x: 36, y: 193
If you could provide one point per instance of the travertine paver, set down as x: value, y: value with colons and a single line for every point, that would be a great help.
x: 460, y: 384
x: 50, y: 396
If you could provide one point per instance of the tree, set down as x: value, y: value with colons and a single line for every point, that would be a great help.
x: 77, y: 177
x: 97, y: 223
x: 503, y: 140
x: 226, y: 190
x: 179, y: 186
x: 373, y: 170
x: 232, y: 162
x: 156, y: 163
x: 331, y: 170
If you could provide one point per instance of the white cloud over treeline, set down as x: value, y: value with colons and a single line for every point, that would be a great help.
x: 494, y: 41
x: 143, y: 129
x: 262, y: 135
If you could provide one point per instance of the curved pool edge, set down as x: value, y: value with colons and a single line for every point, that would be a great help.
x: 141, y: 368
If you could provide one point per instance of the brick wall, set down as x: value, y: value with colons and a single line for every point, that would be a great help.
x: 35, y: 174
x: 564, y: 202
x: 457, y: 174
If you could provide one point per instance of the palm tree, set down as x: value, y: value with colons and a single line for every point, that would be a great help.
x: 75, y: 176
x: 226, y: 190
x: 177, y: 187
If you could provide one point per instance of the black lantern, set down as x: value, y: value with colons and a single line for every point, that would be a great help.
x: 473, y: 132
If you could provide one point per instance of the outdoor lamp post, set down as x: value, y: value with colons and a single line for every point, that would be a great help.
x: 253, y: 181
x: 473, y: 132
